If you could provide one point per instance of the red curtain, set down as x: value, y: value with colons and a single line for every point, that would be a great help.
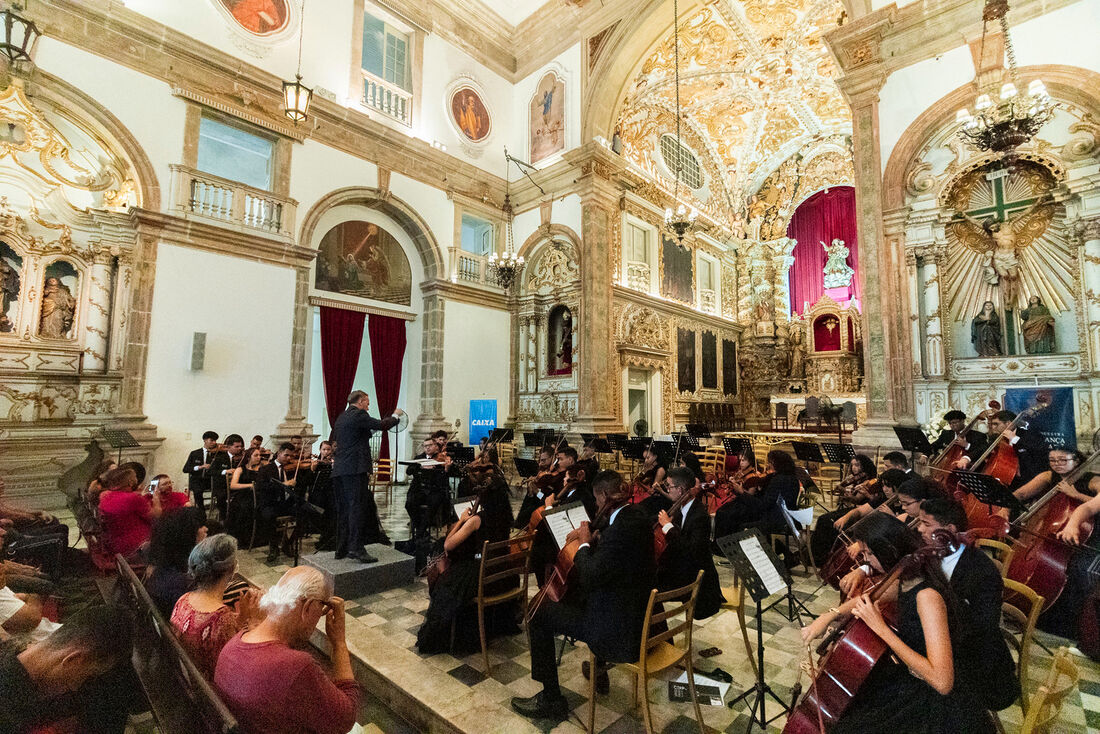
x: 341, y: 340
x: 387, y: 355
x: 825, y: 216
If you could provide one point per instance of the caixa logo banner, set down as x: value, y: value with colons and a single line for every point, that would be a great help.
x: 483, y: 419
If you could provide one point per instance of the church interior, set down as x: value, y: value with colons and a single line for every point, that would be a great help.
x: 549, y: 366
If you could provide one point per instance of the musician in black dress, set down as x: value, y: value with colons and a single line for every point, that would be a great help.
x: 614, y: 577
x: 972, y: 442
x: 240, y: 519
x: 1030, y: 447
x: 762, y: 510
x: 457, y: 587
x: 912, y: 690
x: 687, y: 535
x: 197, y: 468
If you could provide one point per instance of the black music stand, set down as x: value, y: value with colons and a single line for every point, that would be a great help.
x: 526, y: 468
x: 737, y: 446
x: 616, y: 441
x: 586, y: 437
x: 699, y: 430
x: 839, y: 453
x: 119, y: 438
x: 808, y: 451
x: 914, y: 441
x: 754, y: 583
x: 502, y: 435
x: 600, y: 445
x: 665, y: 450
x: 988, y: 490
x: 531, y: 440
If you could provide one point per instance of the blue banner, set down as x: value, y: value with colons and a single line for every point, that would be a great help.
x: 1055, y: 422
x: 483, y: 419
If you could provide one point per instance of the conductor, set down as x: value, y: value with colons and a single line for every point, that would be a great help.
x: 351, y: 470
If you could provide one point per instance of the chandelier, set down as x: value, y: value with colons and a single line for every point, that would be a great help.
x: 681, y: 221
x: 505, y: 268
x: 1016, y: 117
x: 297, y: 96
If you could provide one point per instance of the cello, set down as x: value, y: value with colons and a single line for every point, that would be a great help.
x: 852, y: 650
x: 954, y: 451
x: 1041, y: 560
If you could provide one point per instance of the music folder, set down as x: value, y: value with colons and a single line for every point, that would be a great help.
x: 563, y: 519
x: 755, y: 563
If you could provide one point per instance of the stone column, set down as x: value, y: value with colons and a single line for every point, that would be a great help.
x: 1090, y: 278
x: 98, y: 323
x: 136, y: 353
x: 295, y: 421
x: 930, y: 288
x: 596, y: 408
x: 430, y: 417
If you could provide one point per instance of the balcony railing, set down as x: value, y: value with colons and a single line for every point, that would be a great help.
x: 231, y: 203
x: 387, y: 98
x: 470, y: 269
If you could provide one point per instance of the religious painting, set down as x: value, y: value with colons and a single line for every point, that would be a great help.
x: 547, y: 118
x: 362, y: 259
x: 59, y: 298
x: 470, y: 114
x: 708, y: 353
x: 685, y: 360
x: 827, y: 333
x: 676, y: 275
x: 729, y: 367
x: 262, y: 17
x: 559, y: 341
x: 11, y: 273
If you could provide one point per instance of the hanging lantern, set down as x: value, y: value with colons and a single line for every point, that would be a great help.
x: 296, y: 99
x: 20, y: 35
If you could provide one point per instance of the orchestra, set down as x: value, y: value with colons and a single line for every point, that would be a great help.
x: 898, y: 547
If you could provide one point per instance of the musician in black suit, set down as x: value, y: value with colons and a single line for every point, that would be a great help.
x: 1030, y: 447
x: 687, y: 550
x: 275, y: 483
x: 429, y: 490
x: 351, y: 470
x: 984, y: 666
x: 973, y: 441
x: 197, y: 468
x: 221, y: 469
x: 615, y: 576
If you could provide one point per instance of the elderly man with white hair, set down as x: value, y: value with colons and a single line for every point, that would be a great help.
x: 273, y: 686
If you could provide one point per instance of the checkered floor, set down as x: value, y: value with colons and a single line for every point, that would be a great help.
x: 393, y: 618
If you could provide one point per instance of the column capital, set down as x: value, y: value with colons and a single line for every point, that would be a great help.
x: 1086, y: 230
x: 599, y: 170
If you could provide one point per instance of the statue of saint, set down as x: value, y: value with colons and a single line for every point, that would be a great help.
x: 58, y: 309
x: 837, y: 272
x: 985, y: 332
x: 1001, y: 264
x: 798, y: 355
x: 1038, y: 327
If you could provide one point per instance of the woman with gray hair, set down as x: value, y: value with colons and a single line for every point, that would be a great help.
x: 201, y: 618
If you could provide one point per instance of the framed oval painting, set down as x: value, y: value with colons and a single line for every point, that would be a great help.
x: 469, y: 114
x: 261, y: 17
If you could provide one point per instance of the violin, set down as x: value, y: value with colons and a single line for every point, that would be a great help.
x: 852, y: 650
x: 1041, y: 559
x: 660, y: 542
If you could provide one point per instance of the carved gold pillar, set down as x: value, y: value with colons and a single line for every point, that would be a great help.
x: 1090, y: 279
x: 98, y: 324
x: 782, y: 262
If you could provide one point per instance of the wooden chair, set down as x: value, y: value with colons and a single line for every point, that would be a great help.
x: 1019, y: 612
x: 383, y: 476
x: 659, y: 650
x: 500, y: 561
x: 812, y: 413
x: 848, y: 414
x: 781, y: 421
x: 1046, y: 703
x: 735, y: 602
x: 1000, y: 553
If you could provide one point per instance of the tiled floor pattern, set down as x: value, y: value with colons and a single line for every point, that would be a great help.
x: 383, y: 632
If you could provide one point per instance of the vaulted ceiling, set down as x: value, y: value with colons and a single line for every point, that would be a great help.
x: 756, y: 86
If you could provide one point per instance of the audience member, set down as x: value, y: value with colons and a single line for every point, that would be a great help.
x: 98, y: 483
x: 173, y: 537
x: 71, y: 676
x: 201, y: 617
x: 273, y: 686
x: 126, y: 513
x: 22, y: 614
x: 170, y: 499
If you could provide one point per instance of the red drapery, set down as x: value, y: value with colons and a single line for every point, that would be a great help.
x: 341, y: 340
x: 825, y: 216
x: 387, y: 355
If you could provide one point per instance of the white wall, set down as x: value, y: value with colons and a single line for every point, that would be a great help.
x: 245, y: 308
x: 475, y: 361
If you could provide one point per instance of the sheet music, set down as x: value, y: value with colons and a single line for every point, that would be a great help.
x: 563, y: 521
x: 763, y: 565
x: 423, y: 462
x: 461, y: 507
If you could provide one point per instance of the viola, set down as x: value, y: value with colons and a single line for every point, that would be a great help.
x: 852, y: 651
x: 1041, y: 559
x: 570, y: 481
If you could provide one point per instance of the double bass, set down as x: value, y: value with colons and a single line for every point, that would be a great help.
x: 1041, y: 559
x: 852, y: 650
x: 951, y: 453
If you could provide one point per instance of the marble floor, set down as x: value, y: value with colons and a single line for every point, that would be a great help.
x: 456, y: 690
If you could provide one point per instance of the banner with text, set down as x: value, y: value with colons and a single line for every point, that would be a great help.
x: 483, y: 419
x: 1055, y: 422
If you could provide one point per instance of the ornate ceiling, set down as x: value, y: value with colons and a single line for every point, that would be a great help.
x: 756, y: 86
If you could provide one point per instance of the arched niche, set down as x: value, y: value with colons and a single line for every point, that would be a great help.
x: 59, y: 307
x: 559, y: 339
x: 362, y: 259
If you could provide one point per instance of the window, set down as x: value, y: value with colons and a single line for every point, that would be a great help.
x: 234, y: 153
x: 637, y: 244
x: 386, y: 52
x: 676, y: 153
x: 477, y: 235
